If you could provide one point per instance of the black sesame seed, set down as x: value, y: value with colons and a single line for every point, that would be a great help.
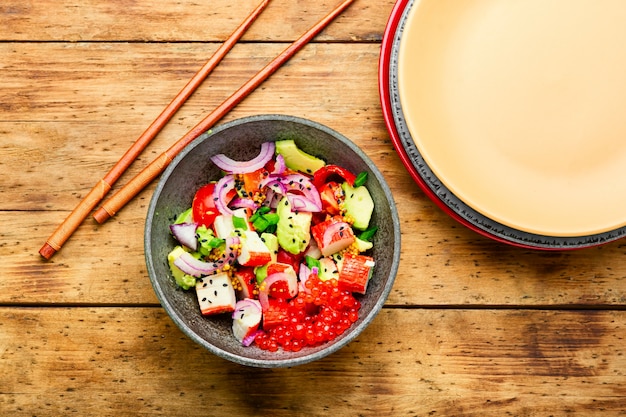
x: 215, y: 292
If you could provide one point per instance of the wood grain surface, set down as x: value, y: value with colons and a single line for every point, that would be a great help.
x: 472, y: 327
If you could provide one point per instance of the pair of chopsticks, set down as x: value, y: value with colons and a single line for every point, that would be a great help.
x: 154, y: 169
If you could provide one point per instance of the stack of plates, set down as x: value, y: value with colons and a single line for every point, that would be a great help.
x: 510, y: 115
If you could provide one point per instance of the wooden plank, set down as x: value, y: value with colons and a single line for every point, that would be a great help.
x: 69, y: 111
x: 172, y: 21
x: 110, y: 361
x: 441, y: 264
x: 102, y: 264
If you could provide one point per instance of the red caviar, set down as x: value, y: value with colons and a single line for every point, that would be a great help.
x: 315, y: 316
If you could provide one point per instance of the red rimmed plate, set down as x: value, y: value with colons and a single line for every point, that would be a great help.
x: 442, y: 24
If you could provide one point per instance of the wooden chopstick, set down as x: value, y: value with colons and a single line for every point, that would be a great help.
x: 97, y: 193
x: 134, y: 186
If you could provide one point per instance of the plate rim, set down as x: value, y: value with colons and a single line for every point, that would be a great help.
x: 425, y: 178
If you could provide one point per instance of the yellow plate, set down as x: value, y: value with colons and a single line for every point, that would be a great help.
x: 519, y: 108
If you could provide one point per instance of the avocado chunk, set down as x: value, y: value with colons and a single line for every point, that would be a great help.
x: 260, y: 272
x: 328, y: 269
x: 358, y: 205
x: 184, y: 217
x: 297, y: 159
x: 293, y: 229
x: 207, y: 240
x: 363, y: 245
x: 184, y: 281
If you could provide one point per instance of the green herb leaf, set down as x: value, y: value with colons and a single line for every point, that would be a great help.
x: 260, y: 224
x: 272, y: 218
x: 312, y: 262
x: 368, y: 234
x: 240, y: 223
x: 216, y: 242
x: 360, y: 179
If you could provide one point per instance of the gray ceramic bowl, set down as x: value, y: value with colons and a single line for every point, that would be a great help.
x: 241, y: 140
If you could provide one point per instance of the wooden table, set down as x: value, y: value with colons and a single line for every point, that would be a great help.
x: 472, y: 327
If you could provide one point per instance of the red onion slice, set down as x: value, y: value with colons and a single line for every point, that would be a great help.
x: 302, y: 184
x: 244, y: 203
x: 222, y: 188
x: 279, y: 166
x: 303, y: 275
x: 301, y: 203
x: 185, y: 234
x: 274, y: 183
x: 248, y: 340
x: 272, y: 199
x: 198, y: 268
x: 244, y: 305
x: 237, y: 167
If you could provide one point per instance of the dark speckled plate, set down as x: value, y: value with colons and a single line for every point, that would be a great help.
x: 241, y: 140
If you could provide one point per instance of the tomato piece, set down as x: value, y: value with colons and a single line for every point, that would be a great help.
x: 252, y: 179
x: 270, y: 166
x: 328, y: 172
x: 290, y: 259
x: 203, y: 206
x: 245, y: 284
x: 331, y: 195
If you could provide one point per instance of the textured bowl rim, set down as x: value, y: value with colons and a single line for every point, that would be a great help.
x: 318, y: 354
